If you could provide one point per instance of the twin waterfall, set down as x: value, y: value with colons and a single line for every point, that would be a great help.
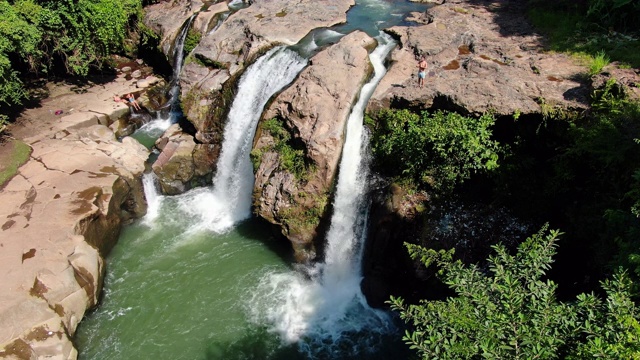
x: 317, y: 308
x: 313, y: 308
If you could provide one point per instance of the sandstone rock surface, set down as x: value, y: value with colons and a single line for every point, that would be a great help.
x: 166, y: 18
x: 482, y: 56
x: 314, y: 109
x: 182, y: 162
x: 61, y: 214
x: 224, y: 53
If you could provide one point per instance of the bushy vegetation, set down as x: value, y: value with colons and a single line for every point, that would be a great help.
x: 588, y: 28
x: 440, y: 149
x: 510, y: 311
x: 191, y: 41
x: 291, y: 160
x: 38, y: 37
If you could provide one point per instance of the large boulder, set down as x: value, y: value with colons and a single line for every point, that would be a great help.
x: 313, y: 111
x: 182, y: 163
x: 480, y: 58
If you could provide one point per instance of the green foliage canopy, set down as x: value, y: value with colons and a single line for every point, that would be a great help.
x: 36, y: 34
x: 440, y: 149
x: 509, y: 311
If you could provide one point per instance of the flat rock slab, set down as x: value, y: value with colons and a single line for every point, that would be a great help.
x: 59, y: 214
x: 482, y: 56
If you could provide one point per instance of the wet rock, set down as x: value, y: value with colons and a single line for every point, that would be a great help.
x: 314, y: 110
x: 183, y: 164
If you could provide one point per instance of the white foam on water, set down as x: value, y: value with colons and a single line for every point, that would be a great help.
x: 154, y: 198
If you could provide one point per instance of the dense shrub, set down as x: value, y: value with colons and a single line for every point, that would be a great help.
x: 510, y: 311
x: 41, y: 36
x: 441, y: 149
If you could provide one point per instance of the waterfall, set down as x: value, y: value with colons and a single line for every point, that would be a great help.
x: 170, y: 112
x: 178, y: 60
x: 230, y: 199
x: 154, y: 199
x: 315, y: 310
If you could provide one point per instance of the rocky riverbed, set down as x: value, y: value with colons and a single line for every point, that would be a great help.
x: 63, y: 212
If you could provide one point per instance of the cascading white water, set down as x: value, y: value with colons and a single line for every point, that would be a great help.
x: 317, y: 310
x: 178, y: 57
x: 168, y: 115
x: 230, y: 199
x: 154, y: 198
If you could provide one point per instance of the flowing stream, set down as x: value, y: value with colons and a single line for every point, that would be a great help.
x: 198, y: 278
x: 170, y: 113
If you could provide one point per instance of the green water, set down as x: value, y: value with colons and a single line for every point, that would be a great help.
x: 171, y: 295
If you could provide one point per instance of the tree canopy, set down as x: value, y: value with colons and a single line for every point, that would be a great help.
x: 439, y: 149
x: 508, y: 310
x: 68, y: 36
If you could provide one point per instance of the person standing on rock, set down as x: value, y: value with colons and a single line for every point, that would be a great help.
x: 422, y: 71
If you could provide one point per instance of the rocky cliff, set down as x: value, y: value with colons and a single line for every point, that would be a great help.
x: 313, y: 112
x: 481, y: 56
x: 61, y: 214
x: 210, y: 73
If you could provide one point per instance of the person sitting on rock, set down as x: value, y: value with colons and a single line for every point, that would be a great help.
x: 132, y: 101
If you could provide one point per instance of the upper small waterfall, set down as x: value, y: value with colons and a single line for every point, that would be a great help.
x: 178, y: 61
x: 230, y: 199
x: 170, y: 112
x: 315, y: 311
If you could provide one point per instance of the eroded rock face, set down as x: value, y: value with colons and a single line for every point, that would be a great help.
x: 182, y: 162
x: 166, y: 18
x: 208, y: 82
x: 211, y: 71
x: 314, y: 110
x: 481, y: 57
x: 59, y: 216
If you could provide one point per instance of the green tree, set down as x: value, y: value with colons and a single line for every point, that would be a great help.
x: 78, y: 34
x: 19, y: 36
x: 441, y: 149
x: 611, y: 328
x: 508, y: 311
